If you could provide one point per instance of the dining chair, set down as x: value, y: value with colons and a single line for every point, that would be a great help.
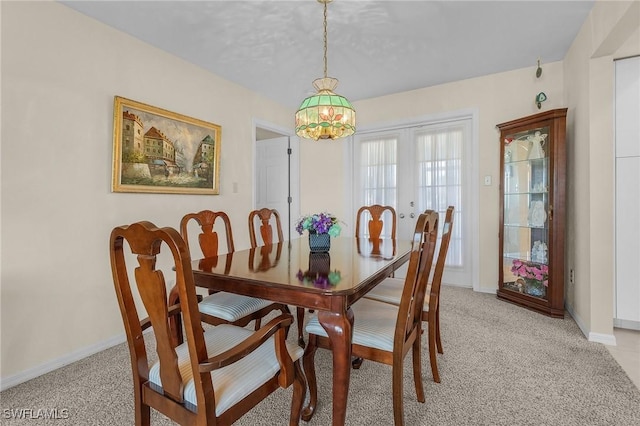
x: 383, y: 332
x: 266, y: 219
x: 376, y: 223
x: 220, y: 307
x: 375, y: 226
x: 217, y: 375
x: 390, y: 291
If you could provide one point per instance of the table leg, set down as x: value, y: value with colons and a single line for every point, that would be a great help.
x: 339, y: 327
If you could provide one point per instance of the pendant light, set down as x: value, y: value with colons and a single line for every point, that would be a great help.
x: 325, y: 115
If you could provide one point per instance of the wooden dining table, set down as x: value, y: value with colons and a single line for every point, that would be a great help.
x: 328, y: 283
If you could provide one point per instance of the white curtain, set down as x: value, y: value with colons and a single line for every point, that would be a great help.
x: 439, y: 159
x: 378, y: 177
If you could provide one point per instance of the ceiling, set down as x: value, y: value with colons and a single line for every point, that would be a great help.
x: 375, y: 48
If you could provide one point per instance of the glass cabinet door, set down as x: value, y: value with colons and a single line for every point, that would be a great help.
x: 532, y: 211
x: 526, y: 180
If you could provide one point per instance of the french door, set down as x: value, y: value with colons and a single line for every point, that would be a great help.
x: 418, y: 168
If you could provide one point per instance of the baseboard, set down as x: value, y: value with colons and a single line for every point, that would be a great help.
x: 49, y: 366
x: 488, y: 290
x: 606, y: 339
x: 577, y: 319
x: 629, y: 324
x: 455, y: 285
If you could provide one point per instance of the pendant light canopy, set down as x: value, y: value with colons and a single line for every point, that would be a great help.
x: 325, y: 115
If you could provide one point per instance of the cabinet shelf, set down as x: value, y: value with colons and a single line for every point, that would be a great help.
x: 527, y: 161
x: 533, y: 179
x: 526, y: 193
x: 515, y: 225
x: 524, y: 257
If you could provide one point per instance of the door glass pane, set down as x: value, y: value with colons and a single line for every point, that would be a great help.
x: 439, y: 167
x: 378, y: 177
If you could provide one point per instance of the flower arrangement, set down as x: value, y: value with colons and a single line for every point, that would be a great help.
x: 319, y: 223
x: 530, y: 271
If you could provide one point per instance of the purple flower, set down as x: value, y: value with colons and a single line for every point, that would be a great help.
x: 319, y: 223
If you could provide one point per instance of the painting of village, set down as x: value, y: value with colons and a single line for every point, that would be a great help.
x: 164, y: 152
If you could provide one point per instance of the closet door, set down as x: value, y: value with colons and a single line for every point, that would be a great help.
x: 627, y: 111
x: 276, y: 180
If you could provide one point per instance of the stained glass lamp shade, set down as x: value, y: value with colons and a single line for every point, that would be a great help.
x: 325, y: 115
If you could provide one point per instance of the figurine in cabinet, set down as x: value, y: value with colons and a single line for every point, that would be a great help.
x: 536, y: 142
x: 537, y: 215
x: 539, y: 252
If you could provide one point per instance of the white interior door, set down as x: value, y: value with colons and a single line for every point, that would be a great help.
x: 627, y: 131
x: 276, y: 182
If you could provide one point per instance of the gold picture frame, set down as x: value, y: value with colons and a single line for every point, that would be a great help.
x: 159, y: 151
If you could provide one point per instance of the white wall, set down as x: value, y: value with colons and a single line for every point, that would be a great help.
x: 60, y: 72
x: 611, y: 31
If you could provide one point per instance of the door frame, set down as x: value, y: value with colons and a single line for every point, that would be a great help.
x: 474, y: 179
x: 625, y: 109
x: 294, y: 171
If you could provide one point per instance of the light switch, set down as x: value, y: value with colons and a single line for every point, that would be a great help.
x: 235, y: 187
x: 487, y: 180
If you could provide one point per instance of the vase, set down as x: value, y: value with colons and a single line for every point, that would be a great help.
x: 319, y: 243
x: 534, y: 288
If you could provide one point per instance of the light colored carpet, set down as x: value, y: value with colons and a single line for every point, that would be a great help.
x: 502, y: 365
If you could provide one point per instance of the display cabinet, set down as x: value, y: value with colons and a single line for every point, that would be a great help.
x: 532, y: 211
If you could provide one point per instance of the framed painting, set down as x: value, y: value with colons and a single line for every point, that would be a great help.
x: 158, y: 151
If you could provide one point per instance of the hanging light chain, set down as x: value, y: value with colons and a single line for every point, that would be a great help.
x: 325, y: 39
x: 325, y: 115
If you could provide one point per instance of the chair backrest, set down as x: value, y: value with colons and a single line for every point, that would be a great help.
x: 146, y: 241
x: 376, y: 222
x: 413, y: 293
x: 436, y: 282
x: 265, y: 217
x: 209, y: 239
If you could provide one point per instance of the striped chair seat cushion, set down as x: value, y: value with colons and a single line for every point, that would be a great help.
x: 233, y: 382
x: 231, y: 307
x: 374, y: 324
x: 390, y: 291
